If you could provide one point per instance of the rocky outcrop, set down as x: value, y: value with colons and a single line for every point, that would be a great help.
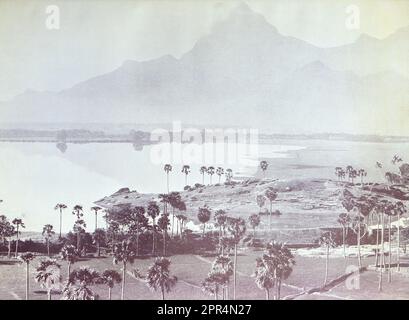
x: 404, y: 171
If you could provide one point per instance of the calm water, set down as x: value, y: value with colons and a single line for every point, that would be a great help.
x: 36, y: 176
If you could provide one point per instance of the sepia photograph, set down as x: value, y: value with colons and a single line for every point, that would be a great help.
x: 185, y: 150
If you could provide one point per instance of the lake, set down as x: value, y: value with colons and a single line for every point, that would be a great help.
x: 36, y: 176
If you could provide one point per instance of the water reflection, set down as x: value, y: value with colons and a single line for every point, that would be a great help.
x: 62, y: 146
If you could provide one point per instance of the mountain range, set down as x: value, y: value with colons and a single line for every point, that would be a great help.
x: 244, y: 73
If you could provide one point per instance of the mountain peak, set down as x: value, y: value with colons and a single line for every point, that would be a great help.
x: 242, y: 19
x: 242, y: 8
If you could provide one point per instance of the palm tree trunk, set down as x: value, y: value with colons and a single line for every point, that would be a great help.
x: 137, y: 241
x: 267, y: 294
x: 269, y: 216
x: 173, y: 220
x: 16, y: 253
x: 27, y: 279
x: 109, y: 293
x: 78, y: 240
x: 359, y: 244
x: 279, y: 289
x: 49, y: 294
x: 164, y: 243
x: 377, y: 243
x: 153, y: 236
x: 185, y: 179
x: 69, y: 270
x: 96, y: 220
x: 123, y: 281
x: 343, y: 240
x: 167, y: 180
x: 48, y: 247
x: 203, y: 178
x: 163, y: 292
x: 382, y: 254
x: 234, y: 271
x: 204, y: 227
x: 326, y: 266
x: 98, y: 249
x: 60, y: 221
x: 398, y: 253
x: 9, y: 248
x: 390, y: 249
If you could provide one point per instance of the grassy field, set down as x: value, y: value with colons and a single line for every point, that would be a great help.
x: 192, y: 269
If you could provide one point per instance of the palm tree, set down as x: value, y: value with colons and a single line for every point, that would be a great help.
x: 99, y: 236
x: 110, y: 278
x: 229, y: 175
x: 283, y: 263
x: 271, y: 195
x: 219, y: 172
x: 338, y: 172
x: 254, y: 221
x: 210, y: 172
x: 237, y: 229
x: 344, y: 220
x: 327, y: 240
x: 264, y: 274
x: 390, y: 213
x: 6, y: 232
x: 186, y: 171
x: 204, y: 216
x: 47, y: 233
x: 264, y: 166
x: 60, y: 207
x: 400, y: 210
x: 383, y: 207
x: 348, y: 171
x: 124, y: 252
x: 18, y: 224
x: 182, y: 219
x: 136, y: 222
x: 203, y: 170
x: 48, y: 275
x: 79, y: 282
x: 261, y: 201
x: 159, y: 277
x: 163, y: 224
x: 396, y: 159
x: 79, y: 223
x: 362, y: 173
x: 26, y: 258
x: 164, y: 198
x: 362, y: 207
x: 220, y: 218
x: 96, y: 209
x: 167, y: 168
x: 175, y: 201
x: 223, y: 266
x: 153, y: 212
x: 212, y: 283
x: 69, y: 254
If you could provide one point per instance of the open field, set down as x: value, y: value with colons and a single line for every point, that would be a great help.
x: 192, y: 269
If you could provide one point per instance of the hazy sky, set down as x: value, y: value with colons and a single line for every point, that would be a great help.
x: 97, y: 36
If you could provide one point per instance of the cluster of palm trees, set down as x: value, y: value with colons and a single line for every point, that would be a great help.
x: 362, y: 211
x: 210, y: 171
x: 269, y: 194
x: 350, y: 173
x: 10, y: 229
x: 275, y: 265
x: 79, y: 282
